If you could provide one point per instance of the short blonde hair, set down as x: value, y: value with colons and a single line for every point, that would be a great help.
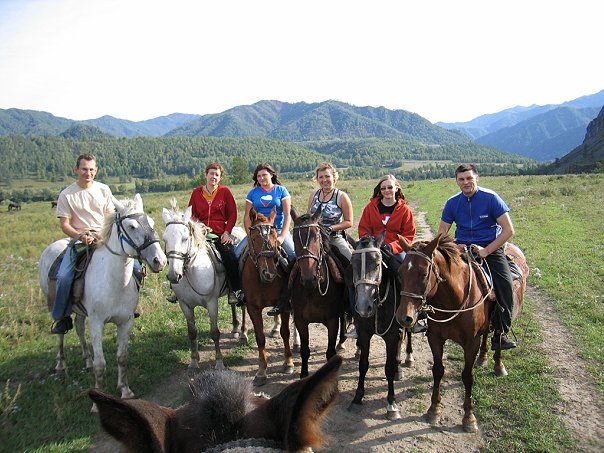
x: 326, y: 166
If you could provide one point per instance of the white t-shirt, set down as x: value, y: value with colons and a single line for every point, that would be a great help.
x: 85, y: 208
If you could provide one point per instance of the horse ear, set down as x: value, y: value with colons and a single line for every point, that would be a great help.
x: 300, y: 407
x: 380, y: 239
x: 166, y: 215
x: 293, y: 213
x: 119, y: 206
x: 139, y: 425
x: 429, y: 249
x: 317, y: 214
x: 188, y: 214
x: 138, y: 202
x: 271, y: 218
x: 252, y: 215
x: 403, y: 242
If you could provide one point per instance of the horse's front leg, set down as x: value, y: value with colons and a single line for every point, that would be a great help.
x: 438, y: 370
x: 392, y: 369
x: 123, y: 335
x: 256, y: 317
x: 235, y: 330
x: 80, y: 326
x: 215, y: 333
x: 95, y: 329
x: 276, y: 326
x: 288, y: 364
x: 363, y: 343
x: 192, y: 333
x: 60, y: 367
x: 244, y: 338
x: 333, y: 326
x: 409, y: 359
x: 469, y: 422
x: 304, y: 348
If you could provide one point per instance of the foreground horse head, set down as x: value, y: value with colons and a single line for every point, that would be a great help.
x: 263, y: 244
x: 183, y: 238
x: 311, y: 244
x: 224, y: 409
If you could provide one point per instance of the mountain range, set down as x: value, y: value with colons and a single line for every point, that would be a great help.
x: 539, y: 132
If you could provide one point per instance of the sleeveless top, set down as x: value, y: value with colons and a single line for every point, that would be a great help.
x: 331, y: 213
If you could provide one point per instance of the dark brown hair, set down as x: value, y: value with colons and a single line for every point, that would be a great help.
x: 466, y: 167
x: 270, y: 169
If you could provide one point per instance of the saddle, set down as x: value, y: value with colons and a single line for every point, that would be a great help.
x: 83, y: 256
x: 483, y: 276
x: 334, y: 266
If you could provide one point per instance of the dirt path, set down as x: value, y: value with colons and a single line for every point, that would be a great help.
x: 370, y: 431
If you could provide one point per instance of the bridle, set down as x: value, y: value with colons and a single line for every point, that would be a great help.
x: 375, y: 282
x: 307, y: 254
x: 151, y: 236
x: 425, y: 307
x: 187, y: 256
x: 268, y: 250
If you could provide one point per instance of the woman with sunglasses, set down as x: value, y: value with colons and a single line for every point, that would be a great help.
x: 388, y: 210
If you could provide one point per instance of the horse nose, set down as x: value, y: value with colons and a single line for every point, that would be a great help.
x: 174, y: 277
x: 267, y: 275
x: 308, y: 281
x: 159, y: 263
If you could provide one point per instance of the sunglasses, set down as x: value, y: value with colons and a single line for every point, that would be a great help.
x: 387, y: 188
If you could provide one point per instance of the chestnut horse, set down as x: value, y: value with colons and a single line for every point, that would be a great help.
x: 263, y: 278
x: 318, y: 296
x: 224, y: 415
x: 436, y: 280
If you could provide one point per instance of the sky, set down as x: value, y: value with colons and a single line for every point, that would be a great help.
x: 442, y: 59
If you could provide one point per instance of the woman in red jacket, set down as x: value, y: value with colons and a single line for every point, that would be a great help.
x: 388, y: 210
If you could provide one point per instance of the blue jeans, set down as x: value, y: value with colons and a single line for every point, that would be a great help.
x: 288, y: 246
x: 65, y: 277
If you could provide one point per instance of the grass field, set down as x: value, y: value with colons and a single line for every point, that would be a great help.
x: 558, y: 224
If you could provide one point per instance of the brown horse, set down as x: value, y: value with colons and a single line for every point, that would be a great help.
x: 436, y: 280
x: 224, y: 414
x: 263, y: 278
x: 15, y: 206
x: 318, y: 288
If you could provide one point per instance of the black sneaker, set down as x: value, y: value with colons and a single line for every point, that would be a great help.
x: 62, y: 326
x: 420, y: 326
x: 500, y: 341
x: 137, y: 315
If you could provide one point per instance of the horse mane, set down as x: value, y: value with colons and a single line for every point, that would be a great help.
x: 130, y: 206
x: 198, y: 229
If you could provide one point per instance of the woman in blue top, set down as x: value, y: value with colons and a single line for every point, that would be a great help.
x: 266, y: 194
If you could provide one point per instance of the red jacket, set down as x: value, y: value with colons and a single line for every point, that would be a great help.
x: 221, y: 215
x: 400, y: 222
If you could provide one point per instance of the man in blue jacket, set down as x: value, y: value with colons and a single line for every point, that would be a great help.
x: 482, y: 218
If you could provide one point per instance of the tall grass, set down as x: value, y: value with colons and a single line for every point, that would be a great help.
x: 555, y: 220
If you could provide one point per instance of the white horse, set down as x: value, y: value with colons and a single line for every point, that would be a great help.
x: 195, y: 278
x: 110, y: 292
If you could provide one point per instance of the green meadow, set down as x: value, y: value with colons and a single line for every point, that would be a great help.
x: 558, y: 221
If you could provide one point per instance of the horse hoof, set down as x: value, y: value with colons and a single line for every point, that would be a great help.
x: 235, y: 335
x: 355, y: 408
x: 296, y: 348
x: 409, y: 361
x: 500, y: 371
x: 127, y: 394
x: 194, y: 366
x: 392, y: 414
x: 480, y: 362
x: 259, y: 381
x: 219, y: 365
x: 398, y: 376
x: 471, y: 427
x: 273, y: 333
x: 94, y: 410
x: 340, y: 347
x: 288, y: 369
x: 431, y: 418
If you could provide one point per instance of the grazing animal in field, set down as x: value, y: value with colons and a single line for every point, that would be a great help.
x: 436, y: 280
x: 223, y: 412
x: 15, y: 206
x: 197, y: 276
x: 110, y: 290
x: 262, y: 279
x: 318, y: 296
x: 376, y: 301
x: 53, y: 204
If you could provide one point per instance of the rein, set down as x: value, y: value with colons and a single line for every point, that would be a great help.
x: 320, y: 259
x: 267, y: 250
x: 423, y: 297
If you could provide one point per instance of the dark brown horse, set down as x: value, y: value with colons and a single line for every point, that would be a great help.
x: 224, y: 414
x: 263, y: 279
x: 15, y: 206
x: 318, y: 288
x: 376, y: 299
x: 436, y: 280
x: 53, y: 204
